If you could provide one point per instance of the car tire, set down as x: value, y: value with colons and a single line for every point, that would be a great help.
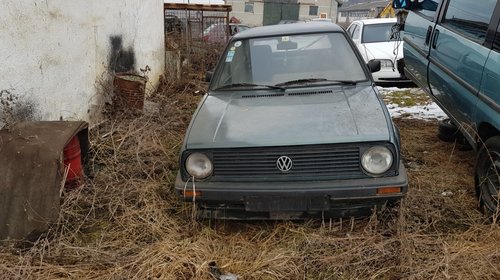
x: 487, y: 177
x: 448, y: 131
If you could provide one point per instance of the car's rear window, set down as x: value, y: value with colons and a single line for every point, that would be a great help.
x: 380, y: 32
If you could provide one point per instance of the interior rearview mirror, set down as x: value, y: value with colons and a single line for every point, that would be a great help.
x: 286, y: 45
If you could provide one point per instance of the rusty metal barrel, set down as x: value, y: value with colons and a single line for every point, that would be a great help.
x: 129, y: 92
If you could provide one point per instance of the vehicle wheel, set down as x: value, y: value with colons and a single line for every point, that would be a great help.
x: 487, y: 176
x: 448, y: 131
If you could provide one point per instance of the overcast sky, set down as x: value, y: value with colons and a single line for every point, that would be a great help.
x: 196, y: 1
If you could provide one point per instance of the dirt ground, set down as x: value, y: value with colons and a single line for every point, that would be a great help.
x: 127, y: 222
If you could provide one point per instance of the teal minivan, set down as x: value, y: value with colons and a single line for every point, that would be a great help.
x: 452, y: 51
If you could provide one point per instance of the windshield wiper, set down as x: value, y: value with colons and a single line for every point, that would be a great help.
x: 248, y: 85
x: 314, y: 80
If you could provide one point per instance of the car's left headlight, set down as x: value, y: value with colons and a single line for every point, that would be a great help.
x: 199, y: 165
x: 385, y: 63
x: 377, y: 160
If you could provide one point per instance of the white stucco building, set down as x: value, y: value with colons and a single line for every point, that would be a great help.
x: 350, y: 13
x: 263, y: 12
x: 57, y: 53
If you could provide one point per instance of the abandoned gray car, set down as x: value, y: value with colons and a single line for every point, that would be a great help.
x: 292, y: 126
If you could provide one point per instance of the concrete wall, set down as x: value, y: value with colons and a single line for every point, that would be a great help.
x: 324, y: 6
x: 251, y: 19
x: 352, y: 16
x: 256, y: 18
x: 57, y: 54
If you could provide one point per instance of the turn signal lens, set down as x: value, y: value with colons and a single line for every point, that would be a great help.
x: 389, y: 190
x: 191, y: 193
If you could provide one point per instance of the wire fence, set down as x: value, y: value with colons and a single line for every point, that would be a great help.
x: 198, y: 32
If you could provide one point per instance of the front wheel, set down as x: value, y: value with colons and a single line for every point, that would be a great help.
x: 487, y: 177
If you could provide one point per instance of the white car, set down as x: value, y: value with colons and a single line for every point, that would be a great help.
x: 376, y: 40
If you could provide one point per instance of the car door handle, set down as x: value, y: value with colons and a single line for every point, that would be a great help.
x: 435, y: 38
x: 428, y: 36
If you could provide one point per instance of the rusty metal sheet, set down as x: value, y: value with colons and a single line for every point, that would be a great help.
x: 31, y: 174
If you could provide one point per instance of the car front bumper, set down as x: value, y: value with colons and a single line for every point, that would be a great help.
x: 297, y: 198
x: 389, y: 76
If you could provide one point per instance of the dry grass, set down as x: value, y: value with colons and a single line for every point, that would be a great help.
x: 127, y: 222
x: 407, y: 97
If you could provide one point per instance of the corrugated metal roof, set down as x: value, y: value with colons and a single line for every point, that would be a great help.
x: 32, y: 173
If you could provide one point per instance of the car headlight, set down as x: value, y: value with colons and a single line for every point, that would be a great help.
x: 377, y: 160
x: 385, y: 63
x: 199, y: 165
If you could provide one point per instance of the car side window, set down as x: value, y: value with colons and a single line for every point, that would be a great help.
x: 427, y: 8
x: 234, y: 30
x: 350, y: 29
x: 496, y: 43
x: 356, y: 32
x: 469, y: 18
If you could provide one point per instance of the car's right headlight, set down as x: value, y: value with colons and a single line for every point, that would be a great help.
x: 199, y: 166
x: 377, y: 160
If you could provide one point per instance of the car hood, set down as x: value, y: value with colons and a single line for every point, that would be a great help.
x: 301, y: 117
x: 383, y: 50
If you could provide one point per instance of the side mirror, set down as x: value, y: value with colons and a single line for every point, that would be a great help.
x: 374, y: 65
x: 208, y: 76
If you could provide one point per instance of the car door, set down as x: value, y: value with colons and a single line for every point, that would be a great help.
x: 417, y: 34
x: 457, y: 57
x: 488, y: 105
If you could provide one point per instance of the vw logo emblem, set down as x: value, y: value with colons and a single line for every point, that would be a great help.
x: 284, y: 163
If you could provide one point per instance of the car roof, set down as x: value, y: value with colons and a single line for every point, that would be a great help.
x: 288, y: 29
x: 376, y: 21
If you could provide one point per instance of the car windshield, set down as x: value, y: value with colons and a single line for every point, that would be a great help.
x: 381, y: 32
x: 279, y: 60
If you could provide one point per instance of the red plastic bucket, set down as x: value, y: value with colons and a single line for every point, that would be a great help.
x: 73, y: 159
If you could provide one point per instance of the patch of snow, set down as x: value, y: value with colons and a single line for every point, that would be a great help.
x: 447, y: 193
x: 425, y: 112
x: 429, y: 111
x: 387, y: 90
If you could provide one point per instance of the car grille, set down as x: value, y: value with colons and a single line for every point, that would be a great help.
x: 319, y: 162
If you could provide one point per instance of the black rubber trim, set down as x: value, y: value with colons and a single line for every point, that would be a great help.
x: 495, y: 106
